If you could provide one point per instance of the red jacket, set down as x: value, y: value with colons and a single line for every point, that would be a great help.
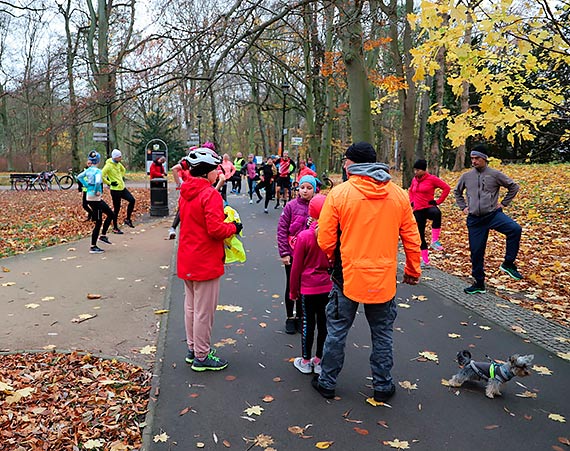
x: 202, y: 231
x: 156, y: 171
x: 422, y: 190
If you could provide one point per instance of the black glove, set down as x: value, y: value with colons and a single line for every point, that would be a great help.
x: 239, y: 226
x: 432, y: 202
x: 114, y: 183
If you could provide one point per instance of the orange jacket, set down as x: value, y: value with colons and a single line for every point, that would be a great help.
x: 372, y: 214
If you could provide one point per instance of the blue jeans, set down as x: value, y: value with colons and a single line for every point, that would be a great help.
x: 340, y: 316
x: 478, y: 227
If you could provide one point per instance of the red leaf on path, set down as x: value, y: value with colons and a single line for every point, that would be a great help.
x: 194, y: 395
x: 383, y: 423
x: 557, y: 448
x: 564, y: 440
x: 230, y: 378
x: 492, y: 426
x: 361, y: 431
x: 184, y: 411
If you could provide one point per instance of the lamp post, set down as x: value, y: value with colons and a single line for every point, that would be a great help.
x: 285, y: 88
x: 199, y: 117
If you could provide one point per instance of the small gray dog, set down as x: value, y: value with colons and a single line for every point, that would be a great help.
x: 494, y: 373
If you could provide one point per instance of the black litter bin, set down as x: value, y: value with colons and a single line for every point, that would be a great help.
x: 159, y: 197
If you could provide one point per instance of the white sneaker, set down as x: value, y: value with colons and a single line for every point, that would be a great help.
x: 171, y: 233
x: 305, y: 368
x: 316, y: 366
x: 251, y: 201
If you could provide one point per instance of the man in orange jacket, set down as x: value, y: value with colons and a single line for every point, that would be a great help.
x: 359, y: 228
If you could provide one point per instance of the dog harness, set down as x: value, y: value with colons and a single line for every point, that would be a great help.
x: 491, y: 370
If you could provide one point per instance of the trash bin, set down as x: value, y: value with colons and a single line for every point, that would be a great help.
x: 159, y: 197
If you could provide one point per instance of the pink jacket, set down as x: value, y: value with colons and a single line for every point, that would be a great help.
x: 229, y: 168
x: 422, y: 191
x: 309, y: 271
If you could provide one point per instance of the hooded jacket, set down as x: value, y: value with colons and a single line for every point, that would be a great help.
x: 202, y: 231
x: 422, y: 191
x: 366, y: 216
x: 292, y: 221
x: 483, y: 190
x: 114, y: 171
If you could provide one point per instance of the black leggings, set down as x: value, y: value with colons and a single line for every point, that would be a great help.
x: 99, y: 207
x: 289, y: 304
x: 267, y: 187
x: 117, y: 195
x: 86, y: 206
x: 432, y: 213
x: 314, y: 306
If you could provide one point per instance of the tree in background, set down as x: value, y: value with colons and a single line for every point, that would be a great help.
x: 156, y: 124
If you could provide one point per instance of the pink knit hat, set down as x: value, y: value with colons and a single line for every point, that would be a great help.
x: 316, y: 205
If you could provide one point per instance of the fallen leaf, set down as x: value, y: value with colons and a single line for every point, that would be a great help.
x: 268, y: 398
x: 160, y: 437
x: 557, y: 417
x: 491, y: 427
x: 397, y: 444
x: 230, y: 308
x: 262, y: 325
x: 93, y: 296
x: 200, y: 444
x: 430, y: 356
x: 383, y: 423
x: 445, y: 382
x: 407, y: 385
x: 361, y: 431
x: 404, y: 305
x: 92, y: 444
x: 32, y: 306
x: 184, y: 411
x: 518, y: 329
x: 324, y: 445
x: 453, y: 335
x: 275, y: 296
x: 419, y: 298
x: 263, y: 441
x: 4, y: 269
x: 526, y: 394
x: 564, y: 355
x: 542, y: 370
x: 230, y: 378
x: 564, y: 440
x: 48, y: 298
x: 226, y: 444
x: 148, y: 349
x: 254, y: 410
x: 297, y: 430
x: 375, y: 403
x: 485, y: 327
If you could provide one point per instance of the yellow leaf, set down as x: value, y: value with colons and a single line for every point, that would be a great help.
x: 119, y: 446
x: 32, y: 306
x: 407, y: 385
x: 445, y: 382
x: 6, y: 388
x: 454, y: 335
x: 230, y: 308
x: 8, y: 284
x: 48, y: 298
x: 430, y: 356
x: 526, y: 394
x: 397, y: 444
x: 160, y: 312
x: 92, y: 444
x: 254, y: 410
x: 542, y: 370
x: 557, y: 417
x: 148, y: 349
x: 324, y: 445
x: 485, y: 327
x: 375, y: 403
x: 404, y: 305
x: 563, y: 355
x: 160, y: 438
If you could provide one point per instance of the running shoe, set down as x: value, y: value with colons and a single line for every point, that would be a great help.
x: 436, y: 245
x: 96, y: 250
x: 189, y: 357
x: 327, y: 393
x: 304, y: 366
x: 477, y: 287
x: 511, y: 270
x: 105, y: 239
x: 129, y: 223
x: 265, y: 211
x: 384, y: 395
x: 316, y: 365
x: 117, y: 231
x: 251, y: 201
x: 171, y: 233
x: 290, y: 326
x: 210, y: 363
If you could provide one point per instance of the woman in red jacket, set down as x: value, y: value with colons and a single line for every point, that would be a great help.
x: 425, y: 207
x: 201, y: 255
x: 157, y: 168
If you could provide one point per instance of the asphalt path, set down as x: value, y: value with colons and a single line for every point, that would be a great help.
x: 209, y: 408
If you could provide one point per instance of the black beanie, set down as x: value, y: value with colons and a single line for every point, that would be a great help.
x: 202, y: 169
x: 361, y: 152
x: 420, y: 164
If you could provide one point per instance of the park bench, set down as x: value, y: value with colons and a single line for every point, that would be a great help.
x: 20, y: 176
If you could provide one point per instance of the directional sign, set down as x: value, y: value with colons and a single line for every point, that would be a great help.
x: 99, y: 125
x: 99, y: 135
x: 296, y: 140
x: 100, y: 138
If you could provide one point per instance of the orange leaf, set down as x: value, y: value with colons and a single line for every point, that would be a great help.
x: 361, y: 431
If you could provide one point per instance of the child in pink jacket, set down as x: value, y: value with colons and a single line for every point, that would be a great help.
x: 311, y: 282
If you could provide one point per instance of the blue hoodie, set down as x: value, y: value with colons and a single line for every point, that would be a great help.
x: 92, y: 179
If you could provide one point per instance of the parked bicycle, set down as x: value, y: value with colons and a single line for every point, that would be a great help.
x: 64, y: 182
x: 35, y: 182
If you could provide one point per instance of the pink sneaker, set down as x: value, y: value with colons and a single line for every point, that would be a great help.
x: 304, y: 366
x: 316, y: 365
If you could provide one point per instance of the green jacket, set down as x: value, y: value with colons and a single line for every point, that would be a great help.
x: 114, y: 172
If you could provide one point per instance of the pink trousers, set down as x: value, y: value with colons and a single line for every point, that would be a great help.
x: 200, y: 302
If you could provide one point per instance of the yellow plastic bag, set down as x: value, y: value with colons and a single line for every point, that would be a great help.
x: 232, y: 245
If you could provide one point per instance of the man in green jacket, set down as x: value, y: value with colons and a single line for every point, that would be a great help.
x: 113, y: 175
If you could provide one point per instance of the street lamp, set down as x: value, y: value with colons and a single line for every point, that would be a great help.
x: 199, y: 117
x: 285, y: 88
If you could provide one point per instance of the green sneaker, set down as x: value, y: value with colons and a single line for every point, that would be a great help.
x: 211, y: 363
x: 189, y: 357
x: 511, y: 270
x: 475, y: 288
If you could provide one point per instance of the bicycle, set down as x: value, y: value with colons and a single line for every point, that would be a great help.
x: 64, y: 182
x: 40, y: 180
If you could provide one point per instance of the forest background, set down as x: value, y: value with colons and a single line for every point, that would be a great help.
x: 418, y: 80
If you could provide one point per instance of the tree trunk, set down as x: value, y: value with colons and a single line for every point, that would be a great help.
x: 357, y: 77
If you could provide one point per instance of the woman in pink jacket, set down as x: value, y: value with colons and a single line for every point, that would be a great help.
x: 425, y: 207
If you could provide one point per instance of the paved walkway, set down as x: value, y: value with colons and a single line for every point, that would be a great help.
x: 209, y: 409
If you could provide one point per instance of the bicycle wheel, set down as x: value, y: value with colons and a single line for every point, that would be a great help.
x: 21, y: 184
x: 43, y: 185
x: 65, y: 182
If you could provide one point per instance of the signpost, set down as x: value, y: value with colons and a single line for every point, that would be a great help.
x: 296, y: 140
x: 193, y: 139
